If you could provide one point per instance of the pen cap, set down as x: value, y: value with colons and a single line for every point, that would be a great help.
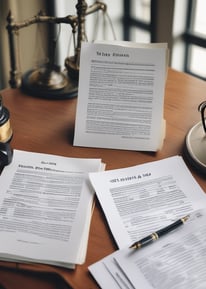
x: 5, y: 135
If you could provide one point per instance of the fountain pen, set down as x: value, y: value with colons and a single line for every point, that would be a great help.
x: 154, y: 236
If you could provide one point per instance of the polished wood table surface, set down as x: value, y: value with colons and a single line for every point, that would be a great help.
x: 47, y: 126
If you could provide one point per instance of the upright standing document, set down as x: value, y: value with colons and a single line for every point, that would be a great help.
x: 121, y: 96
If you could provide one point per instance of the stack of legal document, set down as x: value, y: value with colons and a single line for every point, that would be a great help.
x: 46, y: 205
x: 138, y: 201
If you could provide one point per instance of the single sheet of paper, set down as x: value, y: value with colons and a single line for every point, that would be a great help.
x: 141, y: 199
x: 121, y: 96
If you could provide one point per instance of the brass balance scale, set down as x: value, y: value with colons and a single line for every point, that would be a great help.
x: 48, y: 81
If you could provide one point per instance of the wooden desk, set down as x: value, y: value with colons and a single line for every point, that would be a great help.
x: 47, y: 126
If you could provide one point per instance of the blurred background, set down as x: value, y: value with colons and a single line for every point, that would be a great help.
x: 182, y: 24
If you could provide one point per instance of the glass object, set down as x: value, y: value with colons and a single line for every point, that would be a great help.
x: 198, y: 60
x: 140, y: 35
x: 199, y: 23
x: 140, y: 9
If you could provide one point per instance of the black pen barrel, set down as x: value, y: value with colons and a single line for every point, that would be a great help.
x: 170, y: 228
x: 145, y: 241
x: 154, y: 236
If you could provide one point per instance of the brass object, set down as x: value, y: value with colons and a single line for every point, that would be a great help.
x: 6, y: 133
x: 48, y: 80
x: 184, y: 219
x: 155, y: 236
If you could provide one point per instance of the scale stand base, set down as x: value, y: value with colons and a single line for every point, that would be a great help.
x: 68, y: 90
x: 195, y: 147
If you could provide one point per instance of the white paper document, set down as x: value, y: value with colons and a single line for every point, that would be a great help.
x: 141, y: 199
x: 45, y: 208
x: 121, y: 96
x: 174, y: 261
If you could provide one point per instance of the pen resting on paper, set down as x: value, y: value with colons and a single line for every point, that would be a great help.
x: 156, y: 235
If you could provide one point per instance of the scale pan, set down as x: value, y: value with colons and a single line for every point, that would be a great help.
x: 195, y: 145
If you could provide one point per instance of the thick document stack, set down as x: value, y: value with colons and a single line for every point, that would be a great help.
x: 121, y: 96
x: 46, y: 205
x: 138, y: 201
